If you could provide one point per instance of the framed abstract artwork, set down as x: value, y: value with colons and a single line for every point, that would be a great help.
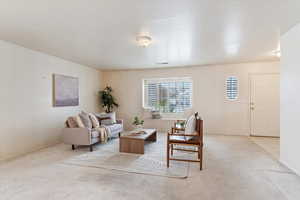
x: 65, y: 91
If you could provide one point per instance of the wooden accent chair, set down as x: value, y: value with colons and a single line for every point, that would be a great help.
x: 181, y: 137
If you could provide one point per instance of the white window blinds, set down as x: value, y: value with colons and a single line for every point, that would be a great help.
x: 231, y: 88
x: 169, y: 95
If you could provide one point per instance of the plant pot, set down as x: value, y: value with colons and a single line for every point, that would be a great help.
x: 139, y: 127
x: 111, y: 115
x: 155, y: 114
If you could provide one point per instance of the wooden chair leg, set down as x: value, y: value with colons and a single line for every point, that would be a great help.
x: 73, y: 147
x: 201, y: 156
x: 168, y: 154
x: 91, y: 148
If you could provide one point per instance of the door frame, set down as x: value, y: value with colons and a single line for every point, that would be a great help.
x: 250, y: 75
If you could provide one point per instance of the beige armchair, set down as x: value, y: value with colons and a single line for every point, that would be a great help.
x: 89, y: 136
x: 80, y: 136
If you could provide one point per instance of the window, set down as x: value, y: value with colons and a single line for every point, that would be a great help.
x: 169, y: 95
x: 232, y: 88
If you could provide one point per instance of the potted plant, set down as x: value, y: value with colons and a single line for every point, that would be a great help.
x: 138, y: 123
x: 160, y: 107
x: 155, y: 112
x: 108, y: 102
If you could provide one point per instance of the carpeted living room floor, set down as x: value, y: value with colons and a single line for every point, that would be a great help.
x: 234, y: 168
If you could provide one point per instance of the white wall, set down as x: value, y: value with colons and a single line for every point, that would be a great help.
x: 290, y: 99
x: 28, y: 121
x: 221, y: 116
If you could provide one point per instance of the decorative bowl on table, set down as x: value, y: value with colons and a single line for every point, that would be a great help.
x: 135, y: 132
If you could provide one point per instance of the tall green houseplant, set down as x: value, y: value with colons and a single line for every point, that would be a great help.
x: 108, y: 102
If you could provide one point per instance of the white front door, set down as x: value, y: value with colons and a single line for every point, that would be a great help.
x: 264, y: 104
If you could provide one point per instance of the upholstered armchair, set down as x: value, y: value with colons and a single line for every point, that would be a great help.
x: 114, y: 130
x: 87, y: 135
x: 80, y: 136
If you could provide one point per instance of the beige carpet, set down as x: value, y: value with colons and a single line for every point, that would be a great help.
x: 153, y: 162
x: 234, y: 168
x: 269, y: 144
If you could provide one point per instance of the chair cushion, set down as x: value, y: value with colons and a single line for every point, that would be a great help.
x: 190, y: 125
x: 177, y: 138
x: 85, y: 119
x: 115, y: 128
x: 110, y: 121
x: 95, y: 134
x: 113, y: 117
x: 79, y: 122
x: 72, y: 123
x: 94, y: 120
x: 184, y: 139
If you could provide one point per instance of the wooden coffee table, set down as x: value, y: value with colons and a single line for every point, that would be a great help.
x: 134, y: 143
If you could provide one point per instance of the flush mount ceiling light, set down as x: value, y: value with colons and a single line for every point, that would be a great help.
x: 144, y: 40
x: 277, y: 53
x: 162, y: 63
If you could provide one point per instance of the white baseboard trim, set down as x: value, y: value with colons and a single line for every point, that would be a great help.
x: 220, y: 134
x: 288, y: 166
x: 224, y: 134
x: 35, y: 149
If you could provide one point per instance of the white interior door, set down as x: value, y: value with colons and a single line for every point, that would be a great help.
x: 264, y: 105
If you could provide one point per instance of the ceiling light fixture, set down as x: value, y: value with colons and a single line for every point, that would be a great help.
x: 277, y: 53
x: 162, y: 63
x: 144, y: 40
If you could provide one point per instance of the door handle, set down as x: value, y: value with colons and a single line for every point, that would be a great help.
x: 251, y: 105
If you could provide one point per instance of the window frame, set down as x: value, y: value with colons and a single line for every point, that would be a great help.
x: 167, y: 79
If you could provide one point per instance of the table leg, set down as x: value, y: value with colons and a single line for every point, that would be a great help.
x: 153, y: 137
